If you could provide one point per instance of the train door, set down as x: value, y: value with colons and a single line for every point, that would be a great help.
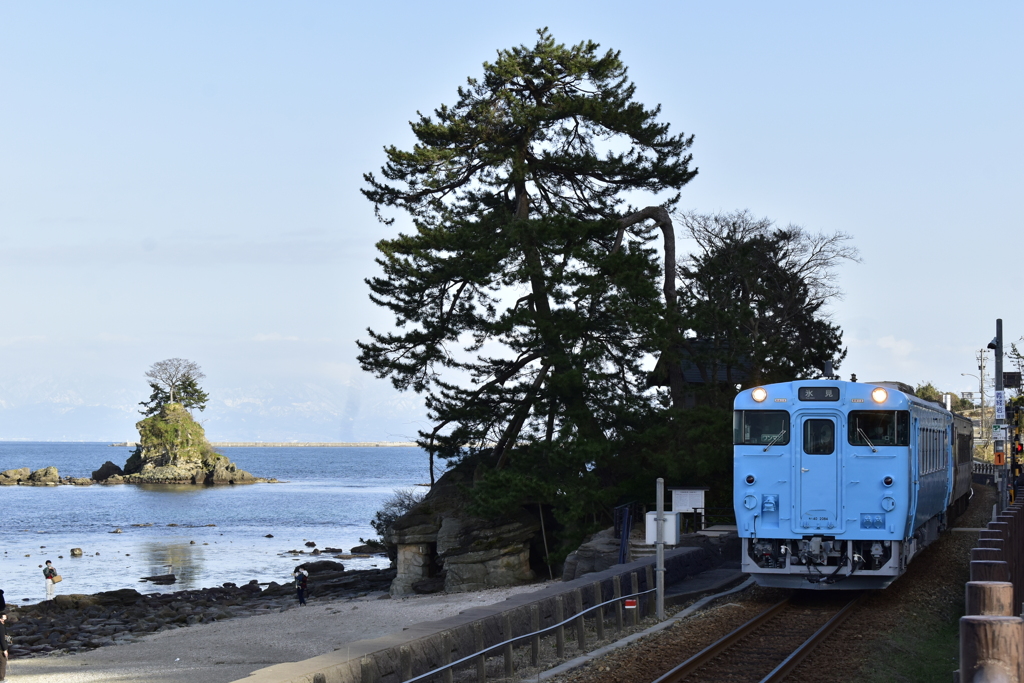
x: 819, y: 455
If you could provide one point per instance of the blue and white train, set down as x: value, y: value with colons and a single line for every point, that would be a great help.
x: 838, y: 485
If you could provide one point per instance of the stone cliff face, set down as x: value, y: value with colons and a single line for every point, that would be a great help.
x: 441, y: 547
x: 173, y: 450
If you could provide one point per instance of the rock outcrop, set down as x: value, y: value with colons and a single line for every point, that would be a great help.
x: 14, y: 477
x: 47, y: 476
x: 442, y: 547
x: 173, y: 450
x: 106, y: 471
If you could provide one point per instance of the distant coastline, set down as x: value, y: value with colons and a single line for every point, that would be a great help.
x: 310, y: 444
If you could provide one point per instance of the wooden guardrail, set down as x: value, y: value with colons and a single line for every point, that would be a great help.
x: 992, y: 632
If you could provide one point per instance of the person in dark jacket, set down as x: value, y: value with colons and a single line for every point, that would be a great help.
x: 4, y: 647
x: 301, y: 579
x: 48, y: 573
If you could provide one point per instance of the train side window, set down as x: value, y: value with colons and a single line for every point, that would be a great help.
x: 819, y: 437
x: 760, y: 427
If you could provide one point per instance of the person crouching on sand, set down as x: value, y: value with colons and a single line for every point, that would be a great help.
x: 48, y: 573
x: 301, y: 578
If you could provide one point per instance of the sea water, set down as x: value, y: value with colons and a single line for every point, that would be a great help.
x: 204, y: 535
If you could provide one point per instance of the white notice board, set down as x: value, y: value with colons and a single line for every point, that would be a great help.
x: 687, y: 500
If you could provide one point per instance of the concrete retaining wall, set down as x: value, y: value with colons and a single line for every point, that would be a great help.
x: 380, y: 660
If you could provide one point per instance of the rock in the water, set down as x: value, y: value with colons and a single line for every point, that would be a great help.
x: 76, y: 552
x: 367, y: 549
x: 321, y: 566
x: 173, y: 450
x: 161, y: 579
x: 107, y: 470
x: 13, y: 477
x: 310, y: 544
x: 44, y: 477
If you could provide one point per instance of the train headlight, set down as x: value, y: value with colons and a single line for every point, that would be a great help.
x: 759, y: 394
x: 878, y: 395
x: 749, y: 479
x: 887, y: 481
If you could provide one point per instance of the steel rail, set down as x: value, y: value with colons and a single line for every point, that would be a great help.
x: 791, y: 662
x: 711, y: 651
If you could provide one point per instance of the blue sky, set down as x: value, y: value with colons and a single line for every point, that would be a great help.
x: 182, y: 179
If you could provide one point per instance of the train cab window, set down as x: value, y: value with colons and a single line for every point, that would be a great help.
x: 879, y: 428
x: 760, y: 427
x: 819, y: 437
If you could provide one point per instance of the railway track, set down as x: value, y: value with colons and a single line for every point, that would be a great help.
x: 769, y: 646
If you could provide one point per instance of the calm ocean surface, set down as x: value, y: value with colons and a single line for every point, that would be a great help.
x: 329, y: 498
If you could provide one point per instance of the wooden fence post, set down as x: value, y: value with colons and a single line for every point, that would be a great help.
x: 651, y: 597
x: 599, y: 612
x: 560, y: 631
x: 634, y: 581
x: 992, y: 649
x: 506, y: 632
x: 986, y: 570
x: 446, y: 656
x: 535, y: 641
x: 989, y: 599
x: 990, y: 554
x: 581, y: 627
x: 616, y: 594
x: 404, y: 663
x: 478, y: 645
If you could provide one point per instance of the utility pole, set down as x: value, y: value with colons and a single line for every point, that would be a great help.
x: 981, y: 371
x: 999, y: 445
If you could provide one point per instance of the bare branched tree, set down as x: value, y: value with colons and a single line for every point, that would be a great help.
x: 812, y: 257
x: 173, y: 373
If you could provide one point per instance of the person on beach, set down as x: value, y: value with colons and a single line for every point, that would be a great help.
x: 4, y: 647
x: 48, y: 573
x: 301, y: 582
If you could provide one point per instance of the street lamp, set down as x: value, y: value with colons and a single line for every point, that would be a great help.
x: 981, y: 383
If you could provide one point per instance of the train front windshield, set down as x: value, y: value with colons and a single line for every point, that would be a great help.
x: 879, y: 428
x: 760, y: 427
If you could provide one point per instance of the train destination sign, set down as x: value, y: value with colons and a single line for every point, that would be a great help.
x: 819, y: 393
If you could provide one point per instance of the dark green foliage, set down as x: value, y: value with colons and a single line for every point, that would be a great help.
x: 752, y: 297
x: 188, y: 393
x: 523, y: 302
x: 400, y: 502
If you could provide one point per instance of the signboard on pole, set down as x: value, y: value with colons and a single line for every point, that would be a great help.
x: 999, y: 432
x: 1000, y: 405
x: 1011, y: 380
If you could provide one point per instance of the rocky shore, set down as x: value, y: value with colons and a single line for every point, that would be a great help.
x: 78, y: 623
x: 110, y: 474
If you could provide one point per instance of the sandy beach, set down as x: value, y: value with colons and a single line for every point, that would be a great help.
x: 230, y: 650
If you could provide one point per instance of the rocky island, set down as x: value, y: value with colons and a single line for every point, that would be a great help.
x: 172, y: 450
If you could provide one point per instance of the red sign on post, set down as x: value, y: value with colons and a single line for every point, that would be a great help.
x: 630, y: 603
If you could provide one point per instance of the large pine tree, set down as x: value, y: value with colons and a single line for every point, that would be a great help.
x: 526, y: 293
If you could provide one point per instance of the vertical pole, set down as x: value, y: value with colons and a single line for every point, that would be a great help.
x: 634, y: 581
x: 506, y: 630
x: 405, y: 663
x: 999, y: 446
x: 535, y: 640
x: 599, y: 612
x: 446, y: 656
x: 581, y: 627
x: 560, y: 631
x: 616, y: 594
x: 991, y: 649
x: 660, y: 545
x: 478, y: 645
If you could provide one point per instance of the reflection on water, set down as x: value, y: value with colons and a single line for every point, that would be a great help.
x: 184, y: 560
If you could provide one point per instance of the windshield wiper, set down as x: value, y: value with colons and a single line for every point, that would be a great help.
x: 772, y: 442
x: 865, y: 437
